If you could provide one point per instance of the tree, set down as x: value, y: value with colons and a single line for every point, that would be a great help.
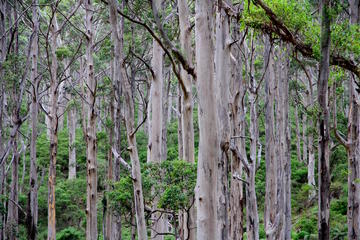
x: 208, y: 154
x: 324, y: 151
x: 35, y: 80
x: 91, y: 147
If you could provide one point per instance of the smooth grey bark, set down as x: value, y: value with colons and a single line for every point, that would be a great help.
x: 305, y: 138
x: 324, y: 135
x: 297, y: 131
x: 285, y: 135
x: 166, y: 106
x: 222, y: 76
x: 311, y: 159
x: 71, y: 122
x: 156, y: 119
x: 33, y: 181
x: 53, y: 129
x: 186, y: 130
x: 91, y: 146
x: 208, y: 154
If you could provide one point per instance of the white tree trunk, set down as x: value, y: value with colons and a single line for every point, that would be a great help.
x: 222, y: 75
x: 72, y: 149
x: 91, y: 147
x: 33, y: 183
x: 208, y: 153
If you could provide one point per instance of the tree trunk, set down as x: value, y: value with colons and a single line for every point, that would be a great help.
x: 53, y: 118
x: 311, y: 160
x: 271, y: 218
x: 208, y: 154
x: 237, y: 91
x: 222, y: 74
x: 353, y: 221
x: 13, y: 215
x: 91, y: 148
x: 120, y: 75
x: 252, y: 217
x: 155, y: 137
x: 33, y: 182
x: 305, y: 138
x: 72, y: 149
x: 3, y: 46
x: 185, y: 117
x: 297, y: 131
x: 324, y: 153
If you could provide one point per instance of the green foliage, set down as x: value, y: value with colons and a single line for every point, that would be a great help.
x: 63, y: 52
x: 70, y: 233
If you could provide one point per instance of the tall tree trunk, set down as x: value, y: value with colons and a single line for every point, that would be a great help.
x: 252, y: 217
x: 155, y: 137
x: 180, y: 125
x: 13, y: 215
x: 91, y: 147
x: 208, y: 154
x: 353, y: 148
x: 311, y: 160
x: 167, y: 105
x: 109, y: 211
x: 71, y: 122
x: 53, y: 130
x: 271, y: 218
x: 324, y: 153
x: 285, y: 137
x: 304, y: 138
x: 222, y: 74
x: 186, y: 97
x: 121, y: 77
x: 297, y: 131
x: 33, y: 195
x: 2, y: 98
x: 237, y: 91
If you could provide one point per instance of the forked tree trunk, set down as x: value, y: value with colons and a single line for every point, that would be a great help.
x: 121, y: 77
x: 208, y: 154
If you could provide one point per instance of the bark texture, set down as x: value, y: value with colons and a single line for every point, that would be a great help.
x: 324, y: 135
x: 53, y: 130
x: 33, y: 182
x: 91, y: 147
x: 353, y: 148
x: 222, y: 75
x: 208, y: 154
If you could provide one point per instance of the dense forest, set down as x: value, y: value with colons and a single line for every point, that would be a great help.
x: 179, y: 119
